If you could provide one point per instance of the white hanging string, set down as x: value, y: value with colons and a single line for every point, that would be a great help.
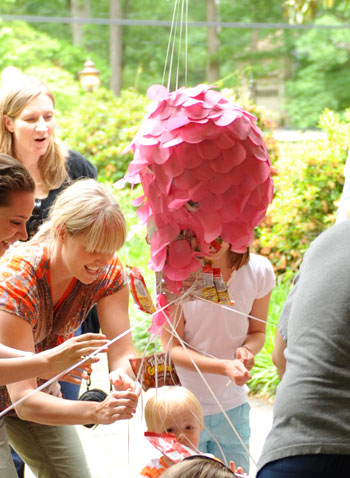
x: 179, y: 48
x: 186, y: 42
x: 169, y: 41
x: 180, y: 16
x: 232, y: 309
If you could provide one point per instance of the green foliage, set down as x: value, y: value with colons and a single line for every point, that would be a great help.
x: 23, y: 46
x: 302, y: 11
x: 264, y: 374
x: 101, y: 126
x: 136, y: 252
x: 262, y: 121
x: 322, y: 74
x: 307, y: 190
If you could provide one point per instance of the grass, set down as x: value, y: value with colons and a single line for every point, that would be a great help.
x: 265, y: 378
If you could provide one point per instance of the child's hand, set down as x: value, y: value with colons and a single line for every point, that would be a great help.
x: 245, y: 355
x: 238, y: 470
x: 121, y: 381
x: 237, y: 372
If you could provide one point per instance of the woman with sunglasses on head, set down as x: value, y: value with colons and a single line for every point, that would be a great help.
x: 66, y: 268
x: 16, y: 203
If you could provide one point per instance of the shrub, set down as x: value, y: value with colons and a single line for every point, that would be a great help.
x: 307, y: 190
x: 136, y: 252
x: 264, y: 374
x: 23, y: 46
x: 102, y: 125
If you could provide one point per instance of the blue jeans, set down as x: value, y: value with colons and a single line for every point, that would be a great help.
x: 70, y: 391
x: 307, y: 466
x: 217, y: 430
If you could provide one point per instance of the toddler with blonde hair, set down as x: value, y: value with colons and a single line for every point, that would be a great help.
x: 172, y: 409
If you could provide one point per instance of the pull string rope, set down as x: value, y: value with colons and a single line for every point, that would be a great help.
x: 232, y: 309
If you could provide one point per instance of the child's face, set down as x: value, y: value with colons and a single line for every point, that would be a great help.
x: 185, y: 426
x: 225, y: 247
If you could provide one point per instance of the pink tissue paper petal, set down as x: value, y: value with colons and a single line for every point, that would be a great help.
x: 225, y: 140
x: 173, y: 167
x: 179, y: 254
x: 138, y: 201
x: 221, y: 164
x: 208, y: 149
x: 204, y: 171
x: 157, y: 92
x: 161, y: 316
x: 177, y: 122
x: 191, y: 134
x: 226, y: 117
x: 176, y: 274
x: 186, y: 180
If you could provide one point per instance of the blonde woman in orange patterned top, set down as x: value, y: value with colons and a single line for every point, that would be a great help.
x: 16, y: 204
x: 47, y: 287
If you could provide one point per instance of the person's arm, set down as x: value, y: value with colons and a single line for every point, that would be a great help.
x: 16, y: 365
x: 255, y: 339
x: 43, y: 408
x: 278, y: 357
x: 234, y: 369
x: 113, y: 313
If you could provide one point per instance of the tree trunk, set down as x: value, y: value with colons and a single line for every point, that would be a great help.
x: 116, y: 47
x: 213, y: 62
x: 79, y: 9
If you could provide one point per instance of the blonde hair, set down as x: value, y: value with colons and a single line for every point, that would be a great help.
x: 85, y: 208
x: 13, y: 98
x: 13, y: 178
x: 198, y: 466
x: 163, y: 403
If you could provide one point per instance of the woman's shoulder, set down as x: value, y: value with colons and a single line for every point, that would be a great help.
x: 25, y: 260
x: 79, y: 167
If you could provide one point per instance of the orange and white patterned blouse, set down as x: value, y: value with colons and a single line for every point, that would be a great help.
x: 154, y: 468
x: 25, y: 291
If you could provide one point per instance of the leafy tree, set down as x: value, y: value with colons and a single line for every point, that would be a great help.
x: 302, y: 11
x: 322, y: 75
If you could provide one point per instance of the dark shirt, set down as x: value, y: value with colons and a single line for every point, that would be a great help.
x: 77, y: 167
